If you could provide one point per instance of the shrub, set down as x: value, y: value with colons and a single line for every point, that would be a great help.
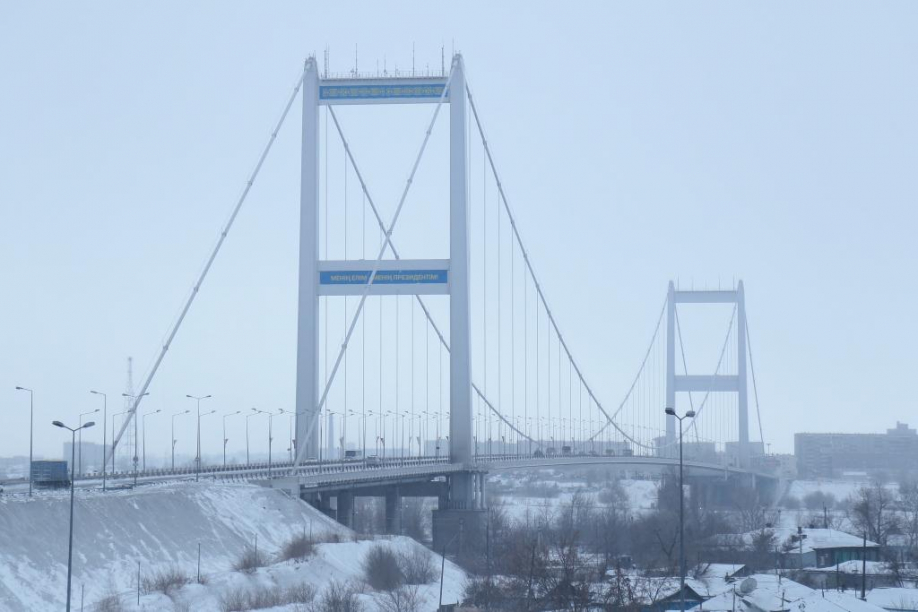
x: 300, y: 593
x: 250, y: 560
x: 417, y: 566
x: 613, y: 494
x: 402, y: 599
x: 381, y: 569
x: 243, y: 598
x: 166, y: 581
x: 234, y: 600
x: 815, y: 500
x: 298, y: 548
x: 109, y: 603
x: 338, y: 597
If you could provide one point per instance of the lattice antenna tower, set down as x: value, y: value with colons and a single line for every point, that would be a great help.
x: 131, y: 438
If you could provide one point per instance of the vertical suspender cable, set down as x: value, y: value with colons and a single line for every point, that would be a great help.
x: 516, y: 439
x: 325, y: 299
x: 755, y: 388
x: 500, y: 397
x: 484, y: 277
x: 411, y: 417
x: 526, y: 423
x: 363, y: 337
x: 344, y: 322
x: 397, y: 359
x: 390, y: 245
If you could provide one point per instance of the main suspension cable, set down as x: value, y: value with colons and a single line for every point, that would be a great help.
x: 210, y: 260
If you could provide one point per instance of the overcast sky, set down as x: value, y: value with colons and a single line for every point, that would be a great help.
x: 639, y: 142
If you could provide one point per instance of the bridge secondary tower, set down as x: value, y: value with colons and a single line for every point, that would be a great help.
x: 714, y: 383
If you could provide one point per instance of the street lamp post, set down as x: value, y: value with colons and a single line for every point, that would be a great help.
x: 31, y: 422
x: 200, y: 457
x: 271, y: 416
x: 255, y: 412
x: 225, y: 439
x: 173, y: 435
x: 104, y: 430
x: 134, y: 401
x: 197, y: 460
x: 80, y: 429
x: 115, y: 416
x: 72, y: 459
x: 292, y: 433
x: 145, y: 438
x: 688, y: 415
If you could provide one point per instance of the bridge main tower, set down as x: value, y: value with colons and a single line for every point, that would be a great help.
x: 361, y: 277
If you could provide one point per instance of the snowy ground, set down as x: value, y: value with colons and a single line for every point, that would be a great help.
x: 840, y: 489
x: 641, y: 494
x: 161, y: 526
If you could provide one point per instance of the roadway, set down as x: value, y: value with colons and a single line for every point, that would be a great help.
x: 330, y: 474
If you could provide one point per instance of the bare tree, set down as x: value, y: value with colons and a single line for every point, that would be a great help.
x: 908, y: 502
x: 749, y: 508
x: 402, y: 599
x: 871, y: 511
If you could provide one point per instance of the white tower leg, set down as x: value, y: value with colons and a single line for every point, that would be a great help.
x: 460, y: 424
x: 307, y: 364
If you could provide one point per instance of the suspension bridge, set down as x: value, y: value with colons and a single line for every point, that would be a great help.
x: 416, y: 376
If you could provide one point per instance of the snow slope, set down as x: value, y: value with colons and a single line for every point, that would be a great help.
x: 158, y: 527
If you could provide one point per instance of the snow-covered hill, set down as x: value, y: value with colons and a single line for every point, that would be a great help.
x: 160, y: 527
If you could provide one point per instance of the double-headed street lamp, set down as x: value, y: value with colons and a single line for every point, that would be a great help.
x: 292, y: 433
x: 31, y: 421
x: 271, y: 416
x: 200, y: 458
x: 72, y: 480
x: 104, y: 430
x: 225, y: 439
x: 173, y: 434
x: 688, y: 415
x: 145, y: 436
x: 197, y: 460
x: 255, y: 412
x: 80, y: 429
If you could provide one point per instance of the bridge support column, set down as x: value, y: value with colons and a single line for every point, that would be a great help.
x: 459, y: 522
x: 393, y: 511
x: 345, y: 508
